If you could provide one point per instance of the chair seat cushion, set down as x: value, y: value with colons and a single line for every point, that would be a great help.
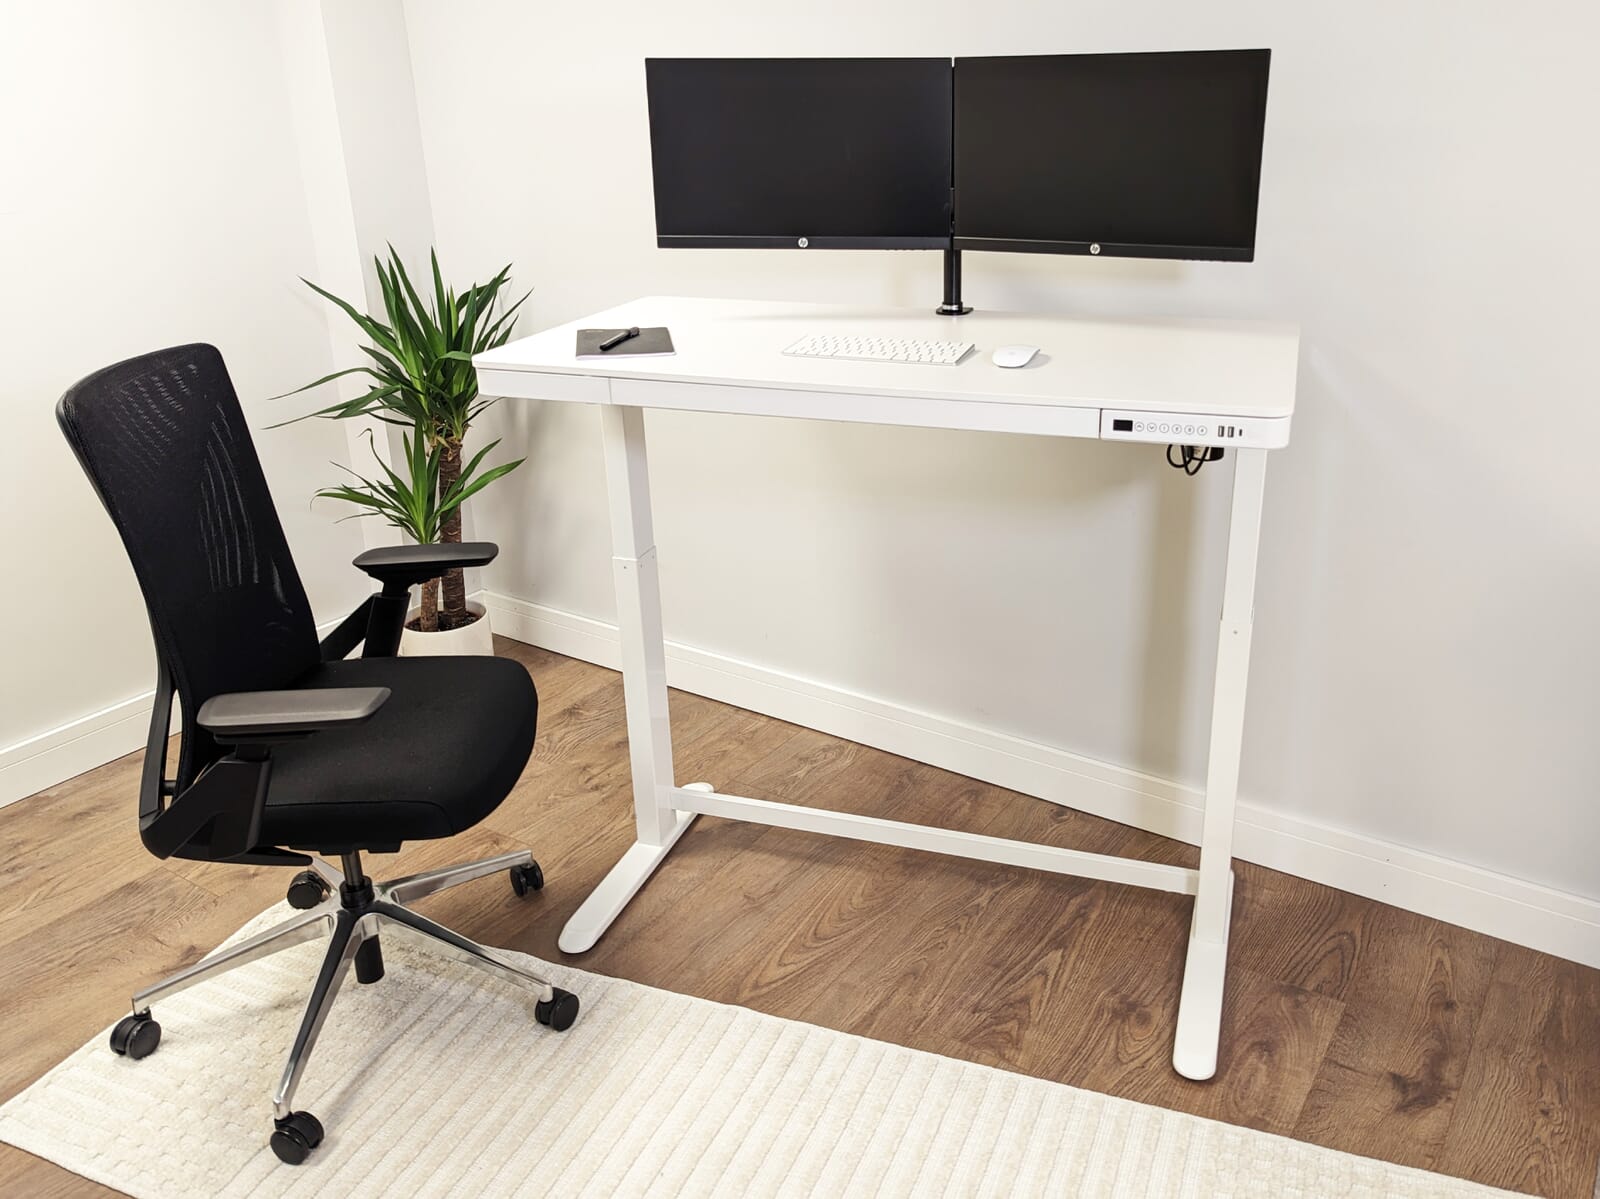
x: 434, y: 760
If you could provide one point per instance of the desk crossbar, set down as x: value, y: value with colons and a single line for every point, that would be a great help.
x: 952, y: 842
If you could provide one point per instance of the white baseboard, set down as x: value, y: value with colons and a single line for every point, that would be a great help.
x: 1509, y: 908
x: 31, y: 766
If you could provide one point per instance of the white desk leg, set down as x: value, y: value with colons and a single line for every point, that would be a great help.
x: 644, y: 680
x: 1200, y: 1006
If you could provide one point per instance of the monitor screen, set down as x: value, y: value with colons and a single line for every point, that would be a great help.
x: 830, y: 153
x: 1140, y: 155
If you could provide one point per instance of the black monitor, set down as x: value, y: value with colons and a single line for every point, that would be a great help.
x: 827, y: 153
x: 1138, y: 155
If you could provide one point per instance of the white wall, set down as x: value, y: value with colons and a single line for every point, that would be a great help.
x: 154, y: 193
x: 354, y: 111
x: 1425, y: 670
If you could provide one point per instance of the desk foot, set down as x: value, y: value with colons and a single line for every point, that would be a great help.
x: 605, y: 903
x: 1205, y: 969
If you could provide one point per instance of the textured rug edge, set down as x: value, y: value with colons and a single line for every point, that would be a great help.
x: 60, y: 1152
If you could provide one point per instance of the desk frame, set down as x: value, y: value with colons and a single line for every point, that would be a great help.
x: 663, y: 810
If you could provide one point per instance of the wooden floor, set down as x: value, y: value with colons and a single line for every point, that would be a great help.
x: 1347, y: 1023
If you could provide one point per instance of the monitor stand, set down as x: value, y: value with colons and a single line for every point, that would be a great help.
x: 952, y: 305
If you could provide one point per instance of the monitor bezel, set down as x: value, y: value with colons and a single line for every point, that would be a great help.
x: 699, y: 241
x: 1107, y: 249
x: 812, y: 241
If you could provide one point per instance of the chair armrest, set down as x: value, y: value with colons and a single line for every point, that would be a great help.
x: 279, y: 715
x: 218, y: 816
x: 408, y: 564
x: 399, y: 568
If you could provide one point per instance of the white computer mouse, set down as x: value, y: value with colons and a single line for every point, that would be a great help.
x: 1015, y: 355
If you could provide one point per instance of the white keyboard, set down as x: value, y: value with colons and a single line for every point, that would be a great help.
x: 880, y: 349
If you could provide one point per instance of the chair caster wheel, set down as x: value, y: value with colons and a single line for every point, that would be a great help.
x: 135, y: 1036
x: 527, y: 878
x: 295, y: 1136
x: 559, y: 1011
x: 307, y: 889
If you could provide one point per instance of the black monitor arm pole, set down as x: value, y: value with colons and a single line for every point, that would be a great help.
x: 952, y: 305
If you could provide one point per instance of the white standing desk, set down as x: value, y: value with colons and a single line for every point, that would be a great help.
x: 1186, y: 382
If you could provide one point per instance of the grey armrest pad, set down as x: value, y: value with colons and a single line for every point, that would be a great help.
x: 268, y: 713
x: 418, y: 562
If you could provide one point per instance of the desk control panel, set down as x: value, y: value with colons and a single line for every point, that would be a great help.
x: 1186, y: 428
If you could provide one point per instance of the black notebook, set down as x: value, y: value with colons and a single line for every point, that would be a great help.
x: 650, y: 342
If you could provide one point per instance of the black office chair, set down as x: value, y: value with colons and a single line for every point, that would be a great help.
x: 288, y: 749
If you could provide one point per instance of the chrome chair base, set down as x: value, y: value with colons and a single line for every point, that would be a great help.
x: 351, y: 916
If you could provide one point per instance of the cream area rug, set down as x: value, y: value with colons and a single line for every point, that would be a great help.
x: 437, y: 1081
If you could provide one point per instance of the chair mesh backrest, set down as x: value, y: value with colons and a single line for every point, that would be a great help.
x: 164, y: 441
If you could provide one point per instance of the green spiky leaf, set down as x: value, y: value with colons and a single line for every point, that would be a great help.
x: 418, y: 376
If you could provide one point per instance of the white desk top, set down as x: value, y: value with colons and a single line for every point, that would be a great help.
x: 730, y: 359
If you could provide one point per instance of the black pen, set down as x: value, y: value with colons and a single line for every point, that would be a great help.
x: 616, y: 339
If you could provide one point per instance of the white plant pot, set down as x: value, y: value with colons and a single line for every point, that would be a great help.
x: 475, y: 638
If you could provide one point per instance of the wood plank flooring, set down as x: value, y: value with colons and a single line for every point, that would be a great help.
x: 1347, y: 1023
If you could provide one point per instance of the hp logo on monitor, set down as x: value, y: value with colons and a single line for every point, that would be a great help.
x: 804, y: 242
x: 1094, y: 247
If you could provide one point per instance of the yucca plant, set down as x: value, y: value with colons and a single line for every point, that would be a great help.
x: 420, y: 502
x: 421, y: 378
